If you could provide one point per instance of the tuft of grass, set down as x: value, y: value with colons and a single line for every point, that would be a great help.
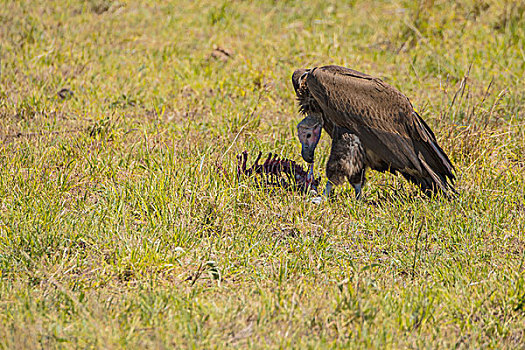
x: 118, y: 230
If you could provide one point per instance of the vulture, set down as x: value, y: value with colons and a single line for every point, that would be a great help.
x: 372, y: 125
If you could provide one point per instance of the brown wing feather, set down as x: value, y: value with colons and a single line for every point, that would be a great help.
x: 383, y: 118
x: 359, y: 99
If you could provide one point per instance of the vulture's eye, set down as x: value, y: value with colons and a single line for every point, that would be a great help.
x: 308, y: 135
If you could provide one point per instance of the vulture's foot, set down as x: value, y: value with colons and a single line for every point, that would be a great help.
x: 326, y: 193
x: 318, y: 199
x: 357, y: 188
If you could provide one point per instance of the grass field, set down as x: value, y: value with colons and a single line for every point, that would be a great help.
x: 118, y: 230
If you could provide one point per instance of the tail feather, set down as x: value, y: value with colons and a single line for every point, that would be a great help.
x: 431, y: 184
x: 435, y: 157
x: 439, y: 181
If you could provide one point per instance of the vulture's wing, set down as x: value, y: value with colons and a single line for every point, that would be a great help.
x: 383, y: 119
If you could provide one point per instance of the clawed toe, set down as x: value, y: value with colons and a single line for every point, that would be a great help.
x: 317, y: 200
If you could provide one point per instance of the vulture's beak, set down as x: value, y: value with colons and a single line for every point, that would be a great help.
x: 308, y: 152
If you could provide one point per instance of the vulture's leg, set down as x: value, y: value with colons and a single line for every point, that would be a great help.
x: 346, y: 162
x: 358, y: 181
x: 328, y: 189
x: 334, y: 168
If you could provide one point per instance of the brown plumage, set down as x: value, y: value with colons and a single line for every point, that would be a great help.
x: 372, y: 125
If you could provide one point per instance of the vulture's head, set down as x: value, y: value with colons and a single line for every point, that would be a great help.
x: 309, y: 130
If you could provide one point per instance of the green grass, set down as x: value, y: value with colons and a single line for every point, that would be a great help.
x: 118, y: 230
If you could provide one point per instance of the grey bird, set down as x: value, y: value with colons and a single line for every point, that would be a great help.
x: 372, y: 125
